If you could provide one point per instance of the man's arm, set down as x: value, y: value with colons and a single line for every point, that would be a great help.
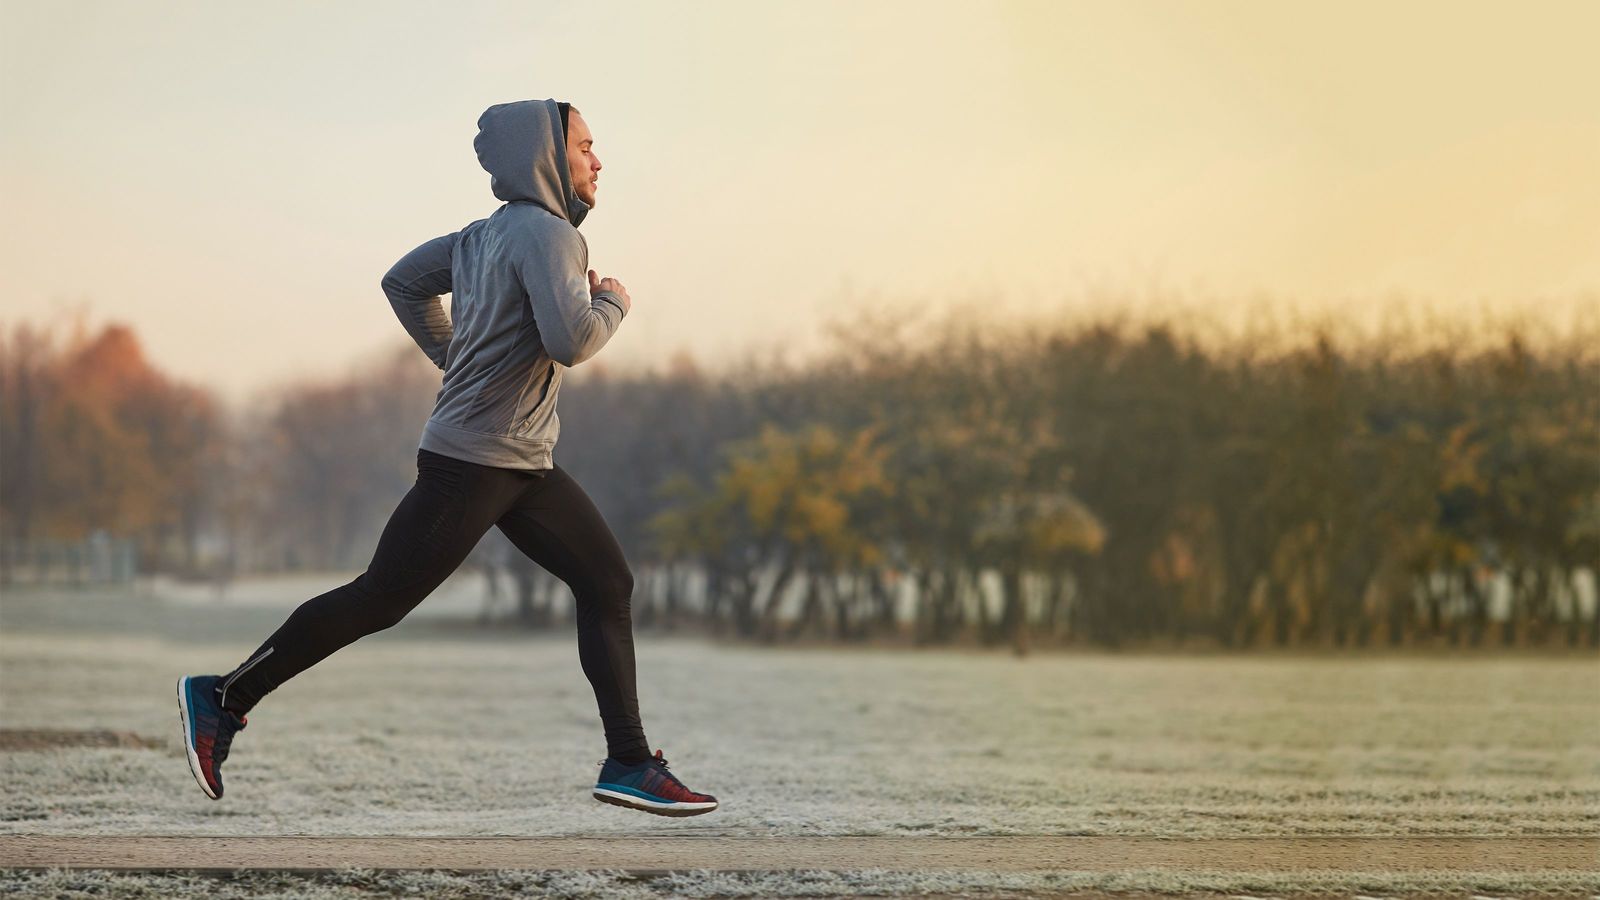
x: 414, y: 285
x: 573, y: 322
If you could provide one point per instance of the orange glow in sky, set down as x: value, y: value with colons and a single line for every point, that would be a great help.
x: 234, y: 181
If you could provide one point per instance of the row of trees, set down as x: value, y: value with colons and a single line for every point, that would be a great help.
x: 92, y: 436
x: 1111, y: 482
x: 1133, y: 483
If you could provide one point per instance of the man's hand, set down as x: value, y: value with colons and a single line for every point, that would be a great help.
x: 598, y: 284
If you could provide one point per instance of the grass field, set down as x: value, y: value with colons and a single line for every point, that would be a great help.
x: 429, y: 729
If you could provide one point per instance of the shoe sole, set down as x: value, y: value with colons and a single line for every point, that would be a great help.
x: 187, y: 721
x: 660, y: 808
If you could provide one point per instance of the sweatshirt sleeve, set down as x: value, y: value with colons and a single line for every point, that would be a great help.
x: 555, y: 273
x: 414, y: 285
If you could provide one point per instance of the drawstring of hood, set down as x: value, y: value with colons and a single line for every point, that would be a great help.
x: 523, y: 147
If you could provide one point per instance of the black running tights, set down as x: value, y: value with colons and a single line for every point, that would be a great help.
x: 546, y: 514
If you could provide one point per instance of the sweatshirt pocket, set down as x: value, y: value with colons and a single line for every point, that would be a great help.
x: 537, y: 408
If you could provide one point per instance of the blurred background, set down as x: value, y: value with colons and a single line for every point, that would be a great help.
x: 1024, y: 324
x: 1070, y: 418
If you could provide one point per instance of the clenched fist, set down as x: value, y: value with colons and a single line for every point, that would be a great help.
x: 598, y: 284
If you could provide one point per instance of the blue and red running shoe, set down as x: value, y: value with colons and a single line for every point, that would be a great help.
x: 648, y: 786
x: 208, y: 730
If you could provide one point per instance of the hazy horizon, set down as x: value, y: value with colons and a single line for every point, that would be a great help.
x: 233, y: 182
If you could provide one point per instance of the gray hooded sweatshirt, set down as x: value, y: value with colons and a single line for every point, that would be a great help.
x: 520, y: 301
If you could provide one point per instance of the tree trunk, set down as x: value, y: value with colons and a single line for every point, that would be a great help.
x: 884, y: 600
x: 986, y: 628
x: 810, y: 610
x: 841, y: 602
x: 946, y: 601
x: 1477, y: 608
x: 1539, y: 624
x: 1013, y: 609
x: 768, y: 624
x: 1278, y: 595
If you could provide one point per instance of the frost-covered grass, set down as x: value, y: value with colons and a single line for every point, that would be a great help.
x: 423, y: 730
x: 1132, y: 885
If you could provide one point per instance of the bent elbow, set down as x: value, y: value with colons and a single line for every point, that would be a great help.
x: 563, y: 353
x: 576, y: 358
x: 574, y: 348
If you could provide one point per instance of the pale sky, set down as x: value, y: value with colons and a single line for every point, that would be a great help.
x: 234, y: 179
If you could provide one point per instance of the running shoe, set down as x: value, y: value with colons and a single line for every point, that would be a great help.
x: 649, y: 787
x: 208, y: 729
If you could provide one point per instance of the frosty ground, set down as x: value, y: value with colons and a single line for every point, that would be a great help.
x: 435, y: 729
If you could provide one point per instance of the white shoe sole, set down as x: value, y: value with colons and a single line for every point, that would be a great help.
x: 681, y: 808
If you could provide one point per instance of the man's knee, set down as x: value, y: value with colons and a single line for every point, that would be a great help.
x: 614, y: 584
x: 385, y: 603
x: 612, y: 589
x: 622, y: 581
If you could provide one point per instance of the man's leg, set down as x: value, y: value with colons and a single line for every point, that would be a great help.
x: 451, y: 506
x: 557, y: 526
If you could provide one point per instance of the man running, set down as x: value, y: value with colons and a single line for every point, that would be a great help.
x: 522, y: 312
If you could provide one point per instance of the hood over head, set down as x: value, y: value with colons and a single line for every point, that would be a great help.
x: 522, y: 147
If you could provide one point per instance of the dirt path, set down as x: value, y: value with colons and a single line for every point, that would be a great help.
x: 654, y: 855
